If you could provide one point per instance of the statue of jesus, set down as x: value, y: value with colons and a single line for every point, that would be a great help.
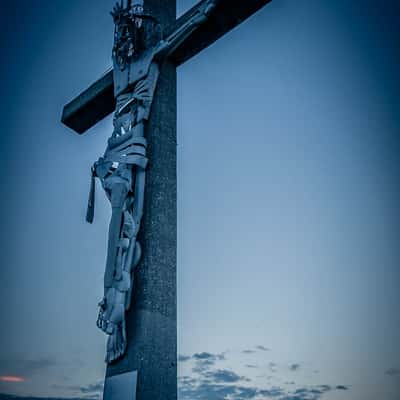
x: 138, y: 52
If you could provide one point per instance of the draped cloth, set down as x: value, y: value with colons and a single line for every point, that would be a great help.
x: 131, y: 151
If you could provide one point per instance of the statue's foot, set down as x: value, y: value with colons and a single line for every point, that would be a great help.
x: 116, y: 343
x: 107, y: 309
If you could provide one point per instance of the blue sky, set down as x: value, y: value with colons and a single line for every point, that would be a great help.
x: 288, y: 193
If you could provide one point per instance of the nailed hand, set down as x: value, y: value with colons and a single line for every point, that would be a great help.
x: 118, y: 11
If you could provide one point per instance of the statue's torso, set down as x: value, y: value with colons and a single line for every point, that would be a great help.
x: 126, y: 77
x: 139, y: 93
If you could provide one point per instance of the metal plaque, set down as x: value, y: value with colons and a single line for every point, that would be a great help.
x: 121, y: 387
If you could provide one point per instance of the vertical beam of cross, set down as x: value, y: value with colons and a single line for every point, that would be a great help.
x: 151, y: 321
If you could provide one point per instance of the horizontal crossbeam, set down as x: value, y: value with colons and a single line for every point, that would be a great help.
x: 97, y: 101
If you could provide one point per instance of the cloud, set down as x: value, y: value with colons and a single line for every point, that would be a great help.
x: 272, y: 366
x: 222, y: 376
x: 325, y: 388
x: 317, y: 390
x: 11, y: 378
x: 204, y: 361
x: 273, y: 392
x: 201, y: 367
x: 93, y: 388
x: 212, y: 391
x: 186, y: 380
x: 294, y: 367
x: 392, y: 371
x: 245, y: 392
x: 91, y: 391
x: 24, y: 368
x: 195, y: 389
x: 183, y: 358
x: 208, y: 382
x: 262, y: 348
x: 209, y: 356
x: 215, y: 391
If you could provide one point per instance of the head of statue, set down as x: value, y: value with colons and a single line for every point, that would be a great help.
x: 137, y: 13
x: 134, y: 32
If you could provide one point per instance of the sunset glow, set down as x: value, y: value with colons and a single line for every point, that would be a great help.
x: 11, y: 378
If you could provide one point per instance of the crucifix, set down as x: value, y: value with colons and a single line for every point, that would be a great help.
x: 138, y: 174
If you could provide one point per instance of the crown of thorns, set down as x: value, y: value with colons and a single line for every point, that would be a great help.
x: 133, y: 11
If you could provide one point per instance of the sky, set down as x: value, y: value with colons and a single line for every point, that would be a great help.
x: 288, y: 194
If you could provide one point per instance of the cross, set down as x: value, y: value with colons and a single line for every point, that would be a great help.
x: 148, y: 368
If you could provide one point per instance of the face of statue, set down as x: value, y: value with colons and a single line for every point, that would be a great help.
x: 136, y: 11
x: 128, y: 40
x: 134, y: 32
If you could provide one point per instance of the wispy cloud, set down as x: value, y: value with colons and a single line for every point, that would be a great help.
x: 94, y: 388
x: 91, y: 391
x: 204, y: 360
x: 213, y: 391
x: 209, y: 356
x: 183, y: 358
x: 222, y: 376
x: 314, y: 392
x: 262, y: 348
x: 294, y: 367
x: 273, y: 392
x: 272, y: 366
x: 11, y: 378
x: 24, y: 368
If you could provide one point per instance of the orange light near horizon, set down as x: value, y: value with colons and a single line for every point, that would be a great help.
x: 11, y: 378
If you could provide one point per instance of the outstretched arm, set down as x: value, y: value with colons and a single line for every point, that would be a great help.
x: 169, y: 44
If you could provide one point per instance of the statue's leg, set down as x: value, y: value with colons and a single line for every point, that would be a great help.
x: 121, y: 297
x: 118, y: 197
x: 137, y: 213
x: 117, y: 189
x: 116, y: 326
x: 115, y: 296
